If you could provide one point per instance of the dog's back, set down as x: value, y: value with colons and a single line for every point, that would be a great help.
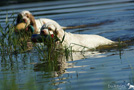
x: 79, y: 42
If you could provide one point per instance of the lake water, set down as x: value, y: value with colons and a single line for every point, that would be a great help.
x: 108, y: 70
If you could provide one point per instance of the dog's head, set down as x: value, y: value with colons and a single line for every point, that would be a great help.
x: 52, y: 29
x: 26, y: 17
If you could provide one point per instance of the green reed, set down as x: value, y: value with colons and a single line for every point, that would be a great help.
x: 50, y: 55
x: 13, y: 44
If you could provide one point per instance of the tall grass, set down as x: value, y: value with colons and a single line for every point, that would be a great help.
x: 13, y: 45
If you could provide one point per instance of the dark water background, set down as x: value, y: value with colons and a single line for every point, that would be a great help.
x: 109, y: 70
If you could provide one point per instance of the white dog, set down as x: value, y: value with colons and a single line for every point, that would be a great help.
x: 76, y: 42
x: 28, y: 18
x: 130, y: 86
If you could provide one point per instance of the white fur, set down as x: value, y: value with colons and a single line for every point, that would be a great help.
x: 24, y: 16
x: 76, y: 42
x: 130, y: 86
x: 39, y: 22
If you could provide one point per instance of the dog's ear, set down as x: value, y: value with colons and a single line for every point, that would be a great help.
x: 32, y: 22
x: 19, y: 18
x: 56, y: 30
x: 59, y: 32
x: 44, y: 22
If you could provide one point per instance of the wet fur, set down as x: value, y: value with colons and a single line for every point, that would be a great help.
x: 76, y: 42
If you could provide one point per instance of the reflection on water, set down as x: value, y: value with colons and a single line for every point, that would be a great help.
x: 61, y: 63
x: 112, y: 19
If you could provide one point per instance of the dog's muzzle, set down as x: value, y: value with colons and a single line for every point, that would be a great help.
x: 38, y: 38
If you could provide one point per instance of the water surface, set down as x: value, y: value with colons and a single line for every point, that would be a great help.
x: 109, y: 70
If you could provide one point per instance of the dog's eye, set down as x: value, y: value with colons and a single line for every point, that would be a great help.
x: 27, y: 16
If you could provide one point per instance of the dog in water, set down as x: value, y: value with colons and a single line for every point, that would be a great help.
x: 27, y: 17
x: 76, y: 42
